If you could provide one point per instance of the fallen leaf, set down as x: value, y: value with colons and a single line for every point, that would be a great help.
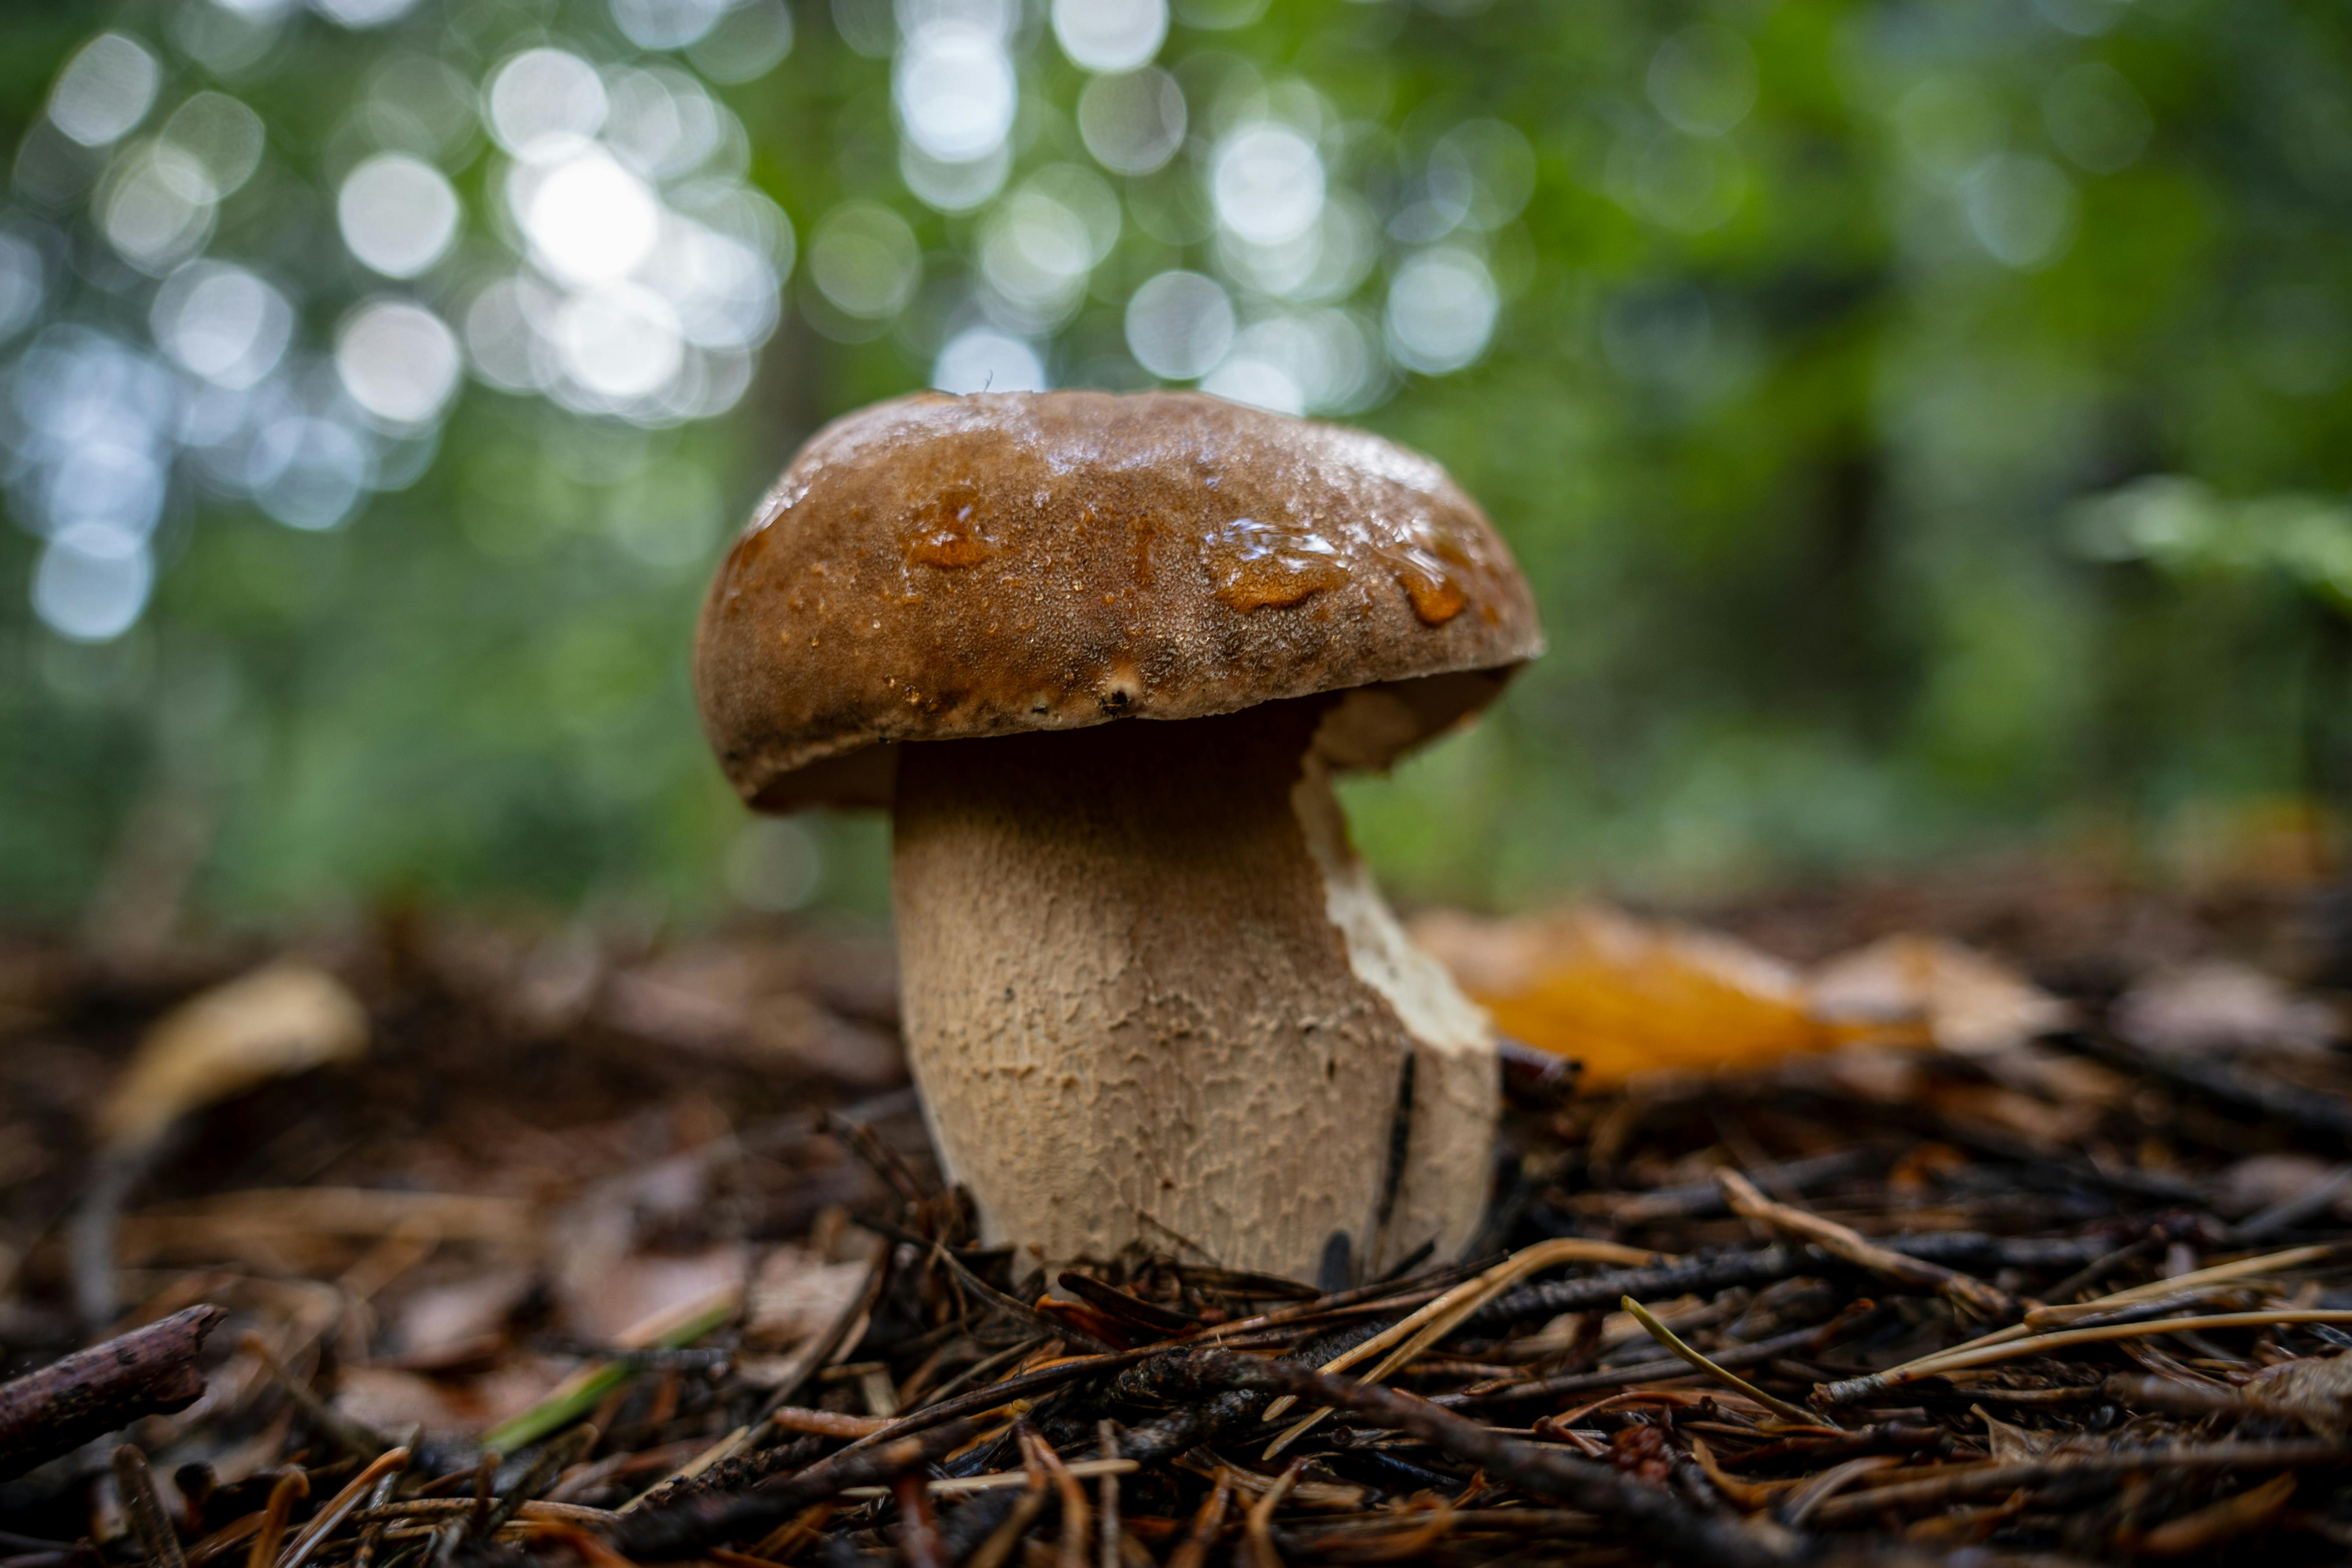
x: 647, y: 1285
x: 1627, y: 996
x: 1964, y: 1000
x: 283, y: 1019
x: 798, y: 1294
x: 2037, y: 1120
x: 2216, y: 1008
x: 439, y: 1319
x: 2316, y: 1390
x: 739, y: 1005
x: 2010, y: 1444
x: 2261, y: 1180
x: 394, y: 1401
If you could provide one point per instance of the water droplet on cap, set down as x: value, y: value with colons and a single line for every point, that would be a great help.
x: 1262, y: 565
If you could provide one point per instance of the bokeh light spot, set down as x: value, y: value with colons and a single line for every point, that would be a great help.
x: 1485, y: 169
x: 1267, y: 182
x: 588, y: 219
x: 307, y: 473
x: 363, y: 14
x: 91, y: 582
x: 22, y: 283
x: 2021, y: 208
x: 1110, y: 34
x: 751, y: 40
x: 864, y: 259
x: 1441, y: 310
x: 773, y: 865
x: 621, y: 342
x: 983, y: 359
x: 1703, y: 79
x: 398, y: 361
x: 105, y: 90
x: 953, y: 187
x: 398, y: 215
x: 954, y: 91
x: 666, y: 24
x: 1179, y: 325
x: 222, y: 322
x: 222, y: 133
x: 1132, y: 123
x: 1035, y: 253
x: 544, y: 98
x: 1260, y: 382
x: 157, y: 206
x: 2096, y: 119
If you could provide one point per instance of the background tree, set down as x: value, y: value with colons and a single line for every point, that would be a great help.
x: 381, y: 377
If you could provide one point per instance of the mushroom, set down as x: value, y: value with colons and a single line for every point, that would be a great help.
x: 1150, y: 994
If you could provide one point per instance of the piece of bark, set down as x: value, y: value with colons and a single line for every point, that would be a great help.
x: 146, y: 1371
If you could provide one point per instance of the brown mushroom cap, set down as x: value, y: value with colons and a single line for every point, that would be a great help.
x: 945, y: 568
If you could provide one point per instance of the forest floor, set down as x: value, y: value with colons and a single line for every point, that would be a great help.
x: 589, y: 1248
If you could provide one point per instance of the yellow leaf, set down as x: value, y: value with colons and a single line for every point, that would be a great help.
x: 1628, y: 996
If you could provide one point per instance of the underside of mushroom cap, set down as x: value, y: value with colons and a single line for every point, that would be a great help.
x: 948, y: 568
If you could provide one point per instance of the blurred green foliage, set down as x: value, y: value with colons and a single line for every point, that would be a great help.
x: 1791, y: 425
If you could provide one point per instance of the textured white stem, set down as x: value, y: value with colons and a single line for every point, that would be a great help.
x: 1153, y: 997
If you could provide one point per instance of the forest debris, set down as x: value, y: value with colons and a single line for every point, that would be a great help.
x: 1713, y: 1369
x: 2218, y: 1007
x: 797, y: 1295
x: 1974, y: 1294
x: 291, y: 1486
x: 337, y: 1508
x: 2210, y: 1526
x: 275, y: 1225
x: 1627, y: 996
x: 739, y: 1001
x: 449, y: 1320
x: 2262, y: 1181
x: 1961, y: 1482
x: 101, y: 1389
x: 2066, y: 1339
x: 393, y: 1399
x: 2168, y: 1289
x: 2316, y: 1392
x: 284, y: 1018
x: 1655, y: 1515
x: 1965, y: 1001
x: 157, y: 1540
x: 2056, y: 1169
x: 1440, y: 1318
x: 647, y: 1285
x: 577, y: 1394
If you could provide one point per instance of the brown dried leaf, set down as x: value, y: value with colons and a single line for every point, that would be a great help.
x: 439, y: 1319
x: 2010, y: 1444
x: 392, y: 1400
x: 797, y: 1294
x: 1965, y: 1001
x: 2316, y: 1392
x: 606, y: 1306
x: 2220, y: 1007
x: 279, y: 1020
x: 2261, y: 1181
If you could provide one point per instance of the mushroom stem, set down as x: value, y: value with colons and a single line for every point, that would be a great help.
x: 1152, y: 996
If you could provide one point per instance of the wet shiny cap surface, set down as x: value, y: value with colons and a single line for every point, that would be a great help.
x: 945, y: 568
